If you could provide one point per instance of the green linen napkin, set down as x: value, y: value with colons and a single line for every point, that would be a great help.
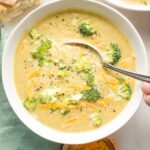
x: 14, y: 135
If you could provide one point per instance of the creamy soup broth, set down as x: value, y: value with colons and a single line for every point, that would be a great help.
x: 141, y: 2
x: 65, y: 86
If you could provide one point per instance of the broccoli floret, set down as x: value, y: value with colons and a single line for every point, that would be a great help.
x: 30, y: 104
x: 91, y: 95
x: 64, y: 110
x: 53, y: 110
x: 39, y: 55
x: 90, y: 79
x: 41, y: 52
x: 72, y: 102
x: 113, y: 54
x: 44, y: 99
x: 86, y: 29
x: 96, y: 118
x: 124, y: 89
x: 62, y: 73
x: 34, y: 34
x: 83, y: 67
x: 50, y: 95
x: 45, y: 44
x: 74, y: 99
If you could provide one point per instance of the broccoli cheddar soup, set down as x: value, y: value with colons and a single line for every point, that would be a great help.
x: 141, y: 2
x: 66, y: 87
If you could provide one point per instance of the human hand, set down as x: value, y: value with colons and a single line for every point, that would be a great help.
x: 146, y: 91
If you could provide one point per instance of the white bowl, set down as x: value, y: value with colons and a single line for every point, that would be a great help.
x: 124, y: 5
x: 8, y: 76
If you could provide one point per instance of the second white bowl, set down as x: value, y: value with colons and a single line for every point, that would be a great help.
x: 124, y: 5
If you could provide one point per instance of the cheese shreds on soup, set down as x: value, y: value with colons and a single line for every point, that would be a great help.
x: 66, y: 87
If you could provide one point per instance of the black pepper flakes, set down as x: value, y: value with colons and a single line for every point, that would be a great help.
x: 81, y: 109
x: 114, y: 110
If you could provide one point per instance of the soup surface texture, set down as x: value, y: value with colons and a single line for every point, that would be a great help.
x: 141, y: 2
x: 65, y: 86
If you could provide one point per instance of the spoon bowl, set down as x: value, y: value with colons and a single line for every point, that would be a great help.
x: 134, y: 75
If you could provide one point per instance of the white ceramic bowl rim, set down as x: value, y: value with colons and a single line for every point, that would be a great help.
x: 8, y: 78
x: 124, y: 5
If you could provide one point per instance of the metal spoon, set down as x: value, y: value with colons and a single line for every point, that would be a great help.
x: 134, y: 75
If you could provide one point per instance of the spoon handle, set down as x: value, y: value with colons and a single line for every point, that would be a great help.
x: 137, y: 76
x: 125, y: 72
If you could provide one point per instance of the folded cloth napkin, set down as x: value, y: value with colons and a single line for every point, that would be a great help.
x: 14, y: 135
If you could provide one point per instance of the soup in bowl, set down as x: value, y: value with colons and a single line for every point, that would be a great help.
x: 67, y: 87
x: 136, y: 5
x: 63, y: 92
x: 140, y: 2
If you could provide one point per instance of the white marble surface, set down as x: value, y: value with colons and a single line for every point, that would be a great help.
x: 135, y: 135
